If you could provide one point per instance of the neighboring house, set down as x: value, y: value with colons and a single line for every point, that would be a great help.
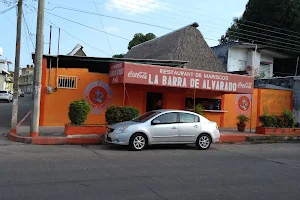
x: 246, y: 58
x: 77, y: 51
x: 26, y: 79
x: 4, y: 72
x: 185, y: 44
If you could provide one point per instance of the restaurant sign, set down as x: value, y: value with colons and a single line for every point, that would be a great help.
x: 182, y: 78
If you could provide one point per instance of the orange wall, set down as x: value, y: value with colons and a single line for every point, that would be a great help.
x: 264, y: 101
x: 55, y: 110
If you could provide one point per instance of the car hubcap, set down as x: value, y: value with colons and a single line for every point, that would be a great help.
x: 139, y: 142
x: 204, y: 142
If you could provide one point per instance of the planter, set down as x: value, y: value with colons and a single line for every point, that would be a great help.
x: 277, y: 131
x: 85, y: 129
x: 241, y: 127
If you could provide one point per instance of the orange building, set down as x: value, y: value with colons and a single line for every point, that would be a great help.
x: 106, y: 81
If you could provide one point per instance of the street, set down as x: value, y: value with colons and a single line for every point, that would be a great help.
x: 269, y: 171
x: 25, y: 105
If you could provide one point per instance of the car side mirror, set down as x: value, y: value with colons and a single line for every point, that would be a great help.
x: 154, y: 122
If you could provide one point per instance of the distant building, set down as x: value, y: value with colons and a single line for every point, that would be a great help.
x: 26, y: 79
x: 4, y: 72
x: 246, y: 58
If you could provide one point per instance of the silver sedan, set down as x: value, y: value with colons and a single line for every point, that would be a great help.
x: 164, y: 127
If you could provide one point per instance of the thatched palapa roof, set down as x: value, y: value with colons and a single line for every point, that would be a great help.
x: 185, y: 44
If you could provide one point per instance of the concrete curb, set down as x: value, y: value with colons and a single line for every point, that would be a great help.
x: 53, y: 140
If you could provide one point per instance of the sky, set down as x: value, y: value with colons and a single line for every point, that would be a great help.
x: 100, y: 26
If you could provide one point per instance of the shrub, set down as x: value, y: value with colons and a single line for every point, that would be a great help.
x: 242, y: 119
x: 199, y: 109
x: 285, y: 120
x: 78, y: 112
x: 268, y: 120
x: 288, y: 120
x: 116, y: 114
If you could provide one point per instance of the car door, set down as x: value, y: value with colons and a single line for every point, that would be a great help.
x: 164, y: 128
x: 188, y: 127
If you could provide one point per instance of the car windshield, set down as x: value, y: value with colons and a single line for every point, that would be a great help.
x: 146, y: 116
x: 3, y: 92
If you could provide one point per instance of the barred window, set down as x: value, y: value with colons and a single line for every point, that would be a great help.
x: 67, y: 82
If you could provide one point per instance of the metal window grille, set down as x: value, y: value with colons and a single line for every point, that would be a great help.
x: 67, y: 82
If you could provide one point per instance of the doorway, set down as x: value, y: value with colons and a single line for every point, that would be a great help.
x: 154, y: 101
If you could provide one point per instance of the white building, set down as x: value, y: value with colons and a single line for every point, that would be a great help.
x: 4, y: 80
x: 243, y: 58
x: 26, y: 79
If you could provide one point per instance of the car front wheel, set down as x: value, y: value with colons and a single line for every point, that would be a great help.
x: 138, y: 142
x: 203, y: 141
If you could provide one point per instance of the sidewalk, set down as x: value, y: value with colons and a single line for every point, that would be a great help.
x: 55, y: 136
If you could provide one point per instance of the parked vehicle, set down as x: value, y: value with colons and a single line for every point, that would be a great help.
x: 21, y: 93
x: 6, y: 96
x: 164, y: 127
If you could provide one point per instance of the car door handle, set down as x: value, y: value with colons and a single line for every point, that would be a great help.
x: 196, y: 126
x: 174, y: 127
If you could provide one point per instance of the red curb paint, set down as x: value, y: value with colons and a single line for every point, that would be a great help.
x: 13, y: 131
x: 34, y: 134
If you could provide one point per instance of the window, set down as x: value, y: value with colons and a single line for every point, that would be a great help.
x: 145, y: 116
x: 169, y: 118
x: 208, y: 104
x: 188, y: 118
x: 67, y: 82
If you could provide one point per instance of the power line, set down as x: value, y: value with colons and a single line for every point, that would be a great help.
x: 108, y: 16
x: 6, y: 10
x: 86, y: 26
x: 29, y: 33
x: 78, y: 38
x: 274, y: 46
x: 276, y: 41
x: 103, y: 28
x: 74, y: 36
x: 263, y: 29
x: 28, y: 51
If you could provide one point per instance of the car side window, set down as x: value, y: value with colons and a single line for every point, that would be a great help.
x: 168, y: 118
x: 188, y: 118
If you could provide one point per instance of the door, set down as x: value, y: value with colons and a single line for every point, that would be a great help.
x: 189, y: 127
x: 164, y: 129
x: 154, y: 101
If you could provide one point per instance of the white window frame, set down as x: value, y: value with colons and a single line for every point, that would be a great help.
x: 68, y: 84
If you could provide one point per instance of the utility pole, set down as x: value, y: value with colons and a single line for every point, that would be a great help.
x: 34, y: 129
x: 14, y: 114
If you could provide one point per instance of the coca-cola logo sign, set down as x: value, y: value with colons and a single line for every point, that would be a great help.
x: 245, y: 85
x: 139, y: 75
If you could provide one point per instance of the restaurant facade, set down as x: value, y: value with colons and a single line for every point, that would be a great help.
x: 146, y: 86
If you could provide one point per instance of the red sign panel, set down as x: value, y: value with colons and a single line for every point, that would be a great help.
x: 183, y: 78
x: 116, y: 72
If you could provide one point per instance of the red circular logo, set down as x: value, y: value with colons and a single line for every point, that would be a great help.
x: 243, y: 104
x: 99, y: 95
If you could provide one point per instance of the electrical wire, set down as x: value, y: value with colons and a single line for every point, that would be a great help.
x: 86, y: 26
x: 103, y: 27
x: 28, y: 31
x: 6, y: 10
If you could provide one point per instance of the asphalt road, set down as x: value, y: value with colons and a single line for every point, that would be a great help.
x: 25, y: 105
x: 230, y: 172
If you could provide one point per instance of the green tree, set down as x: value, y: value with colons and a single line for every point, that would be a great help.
x: 251, y: 26
x: 119, y: 55
x: 140, y: 38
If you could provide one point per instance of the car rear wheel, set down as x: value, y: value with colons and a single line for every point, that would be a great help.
x: 203, y: 141
x: 138, y: 142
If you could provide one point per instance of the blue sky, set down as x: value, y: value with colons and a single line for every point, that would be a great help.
x: 213, y: 16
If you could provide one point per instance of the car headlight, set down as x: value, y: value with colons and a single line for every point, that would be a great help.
x: 120, y: 130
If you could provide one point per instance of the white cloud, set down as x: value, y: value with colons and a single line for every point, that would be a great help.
x: 111, y: 29
x: 133, y: 6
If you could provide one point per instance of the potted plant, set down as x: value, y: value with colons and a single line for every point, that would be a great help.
x: 78, y: 113
x: 242, y: 119
x: 199, y: 109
